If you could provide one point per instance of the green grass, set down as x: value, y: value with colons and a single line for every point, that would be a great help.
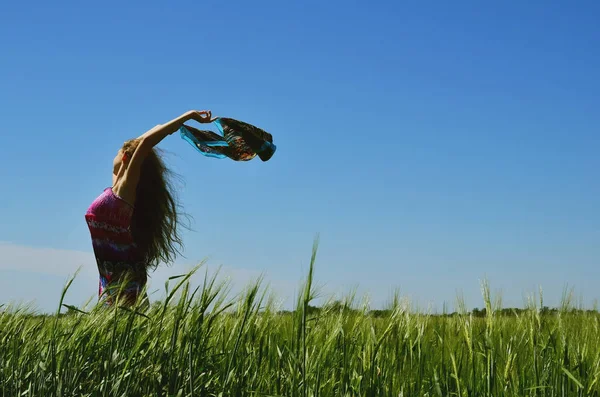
x: 200, y: 343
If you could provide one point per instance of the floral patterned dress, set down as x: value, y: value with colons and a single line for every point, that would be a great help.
x: 117, y: 255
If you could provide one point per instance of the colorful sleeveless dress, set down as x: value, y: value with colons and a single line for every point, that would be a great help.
x: 117, y: 256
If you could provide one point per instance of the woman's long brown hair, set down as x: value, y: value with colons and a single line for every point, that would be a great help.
x: 156, y: 220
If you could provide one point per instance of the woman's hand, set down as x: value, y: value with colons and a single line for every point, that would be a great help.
x: 201, y: 116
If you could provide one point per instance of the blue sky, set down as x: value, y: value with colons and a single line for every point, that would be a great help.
x: 430, y: 145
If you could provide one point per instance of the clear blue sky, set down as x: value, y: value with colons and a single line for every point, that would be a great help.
x: 429, y: 144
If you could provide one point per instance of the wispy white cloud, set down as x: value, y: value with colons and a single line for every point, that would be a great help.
x: 37, y: 275
x: 43, y: 260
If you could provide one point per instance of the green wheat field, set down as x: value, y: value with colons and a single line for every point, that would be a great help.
x: 200, y: 342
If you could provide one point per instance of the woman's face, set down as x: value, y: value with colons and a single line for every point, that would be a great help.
x: 117, y: 161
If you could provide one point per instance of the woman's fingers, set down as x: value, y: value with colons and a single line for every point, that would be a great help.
x: 204, y: 116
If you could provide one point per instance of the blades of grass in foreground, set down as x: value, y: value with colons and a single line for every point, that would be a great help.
x: 203, y: 342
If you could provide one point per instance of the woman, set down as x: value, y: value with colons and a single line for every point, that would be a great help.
x: 134, y: 223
